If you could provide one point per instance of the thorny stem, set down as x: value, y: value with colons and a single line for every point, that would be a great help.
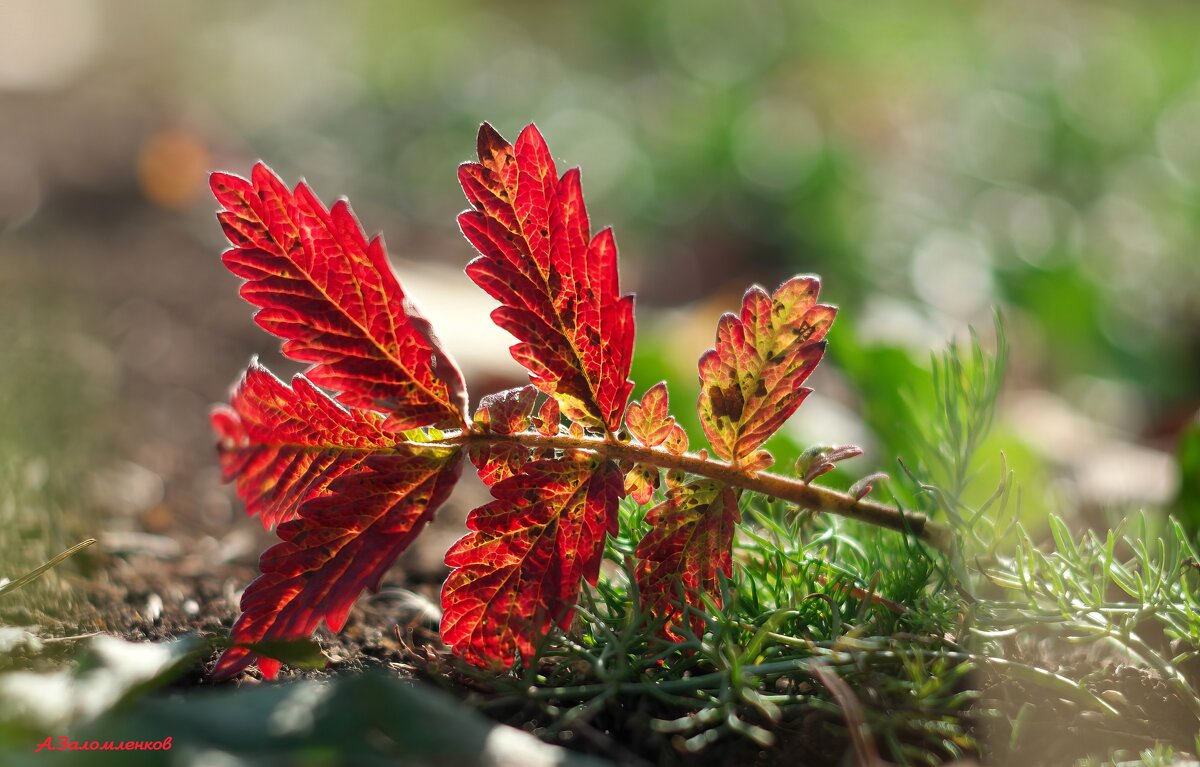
x: 803, y: 494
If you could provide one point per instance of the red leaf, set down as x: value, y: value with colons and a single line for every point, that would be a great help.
x: 557, y: 285
x: 689, y: 543
x: 651, y: 423
x: 752, y: 381
x: 335, y: 299
x: 650, y: 420
x: 641, y: 481
x: 677, y: 440
x: 549, y: 418
x: 282, y: 446
x: 506, y: 412
x: 498, y: 462
x: 518, y: 574
x: 361, y: 495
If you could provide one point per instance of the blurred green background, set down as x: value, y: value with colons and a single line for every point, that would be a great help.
x: 929, y: 160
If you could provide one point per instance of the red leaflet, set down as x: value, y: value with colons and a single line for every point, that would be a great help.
x: 549, y: 417
x: 650, y: 420
x: 689, y: 543
x: 518, y: 574
x: 677, y: 441
x: 506, y: 412
x: 334, y: 298
x: 347, y: 495
x: 284, y: 445
x: 361, y: 498
x: 641, y: 480
x: 752, y: 381
x: 557, y: 285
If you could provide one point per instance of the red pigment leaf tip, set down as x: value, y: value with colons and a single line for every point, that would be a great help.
x: 332, y: 296
x: 556, y: 283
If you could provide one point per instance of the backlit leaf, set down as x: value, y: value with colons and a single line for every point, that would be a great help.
x: 506, y: 412
x: 282, y: 445
x: 650, y: 420
x: 519, y: 572
x: 641, y: 481
x: 349, y: 478
x: 556, y: 283
x: 332, y: 295
x: 752, y: 381
x: 354, y: 495
x: 689, y: 543
x: 549, y: 418
x: 677, y: 440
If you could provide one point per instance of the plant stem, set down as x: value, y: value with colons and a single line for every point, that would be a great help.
x: 803, y: 494
x: 38, y: 571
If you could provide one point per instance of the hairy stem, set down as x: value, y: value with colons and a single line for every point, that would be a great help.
x: 796, y: 491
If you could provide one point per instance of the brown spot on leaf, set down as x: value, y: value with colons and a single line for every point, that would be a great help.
x: 726, y: 404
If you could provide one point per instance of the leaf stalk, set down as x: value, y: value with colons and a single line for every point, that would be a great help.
x: 797, y: 491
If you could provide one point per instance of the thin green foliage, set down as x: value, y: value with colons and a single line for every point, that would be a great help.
x: 947, y: 434
x: 1136, y: 581
x: 1131, y: 589
x: 879, y: 637
x: 806, y: 590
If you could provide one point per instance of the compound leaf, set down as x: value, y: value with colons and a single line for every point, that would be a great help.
x: 751, y: 382
x: 689, y: 543
x: 557, y: 285
x: 519, y: 572
x: 354, y: 495
x: 332, y: 295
